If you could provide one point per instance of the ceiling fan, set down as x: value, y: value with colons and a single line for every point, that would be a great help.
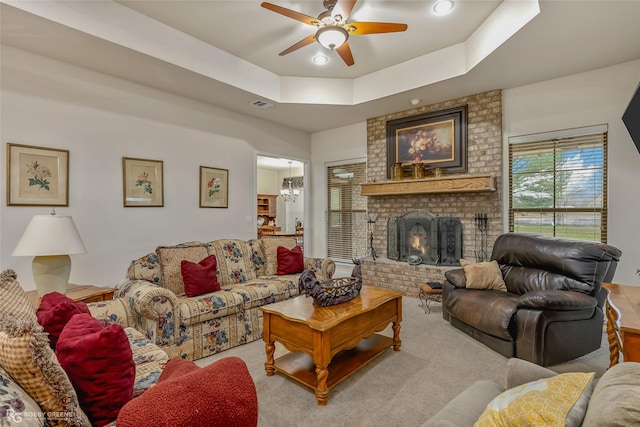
x: 333, y: 30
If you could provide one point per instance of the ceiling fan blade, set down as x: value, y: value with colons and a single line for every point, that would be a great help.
x: 310, y: 20
x: 345, y: 53
x: 302, y: 43
x: 359, y: 28
x: 343, y: 8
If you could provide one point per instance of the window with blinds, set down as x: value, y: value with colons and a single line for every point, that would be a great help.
x: 558, y: 184
x: 346, y: 212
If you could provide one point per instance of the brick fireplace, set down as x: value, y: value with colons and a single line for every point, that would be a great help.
x: 484, y: 157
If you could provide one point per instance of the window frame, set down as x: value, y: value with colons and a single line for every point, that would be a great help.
x: 558, y: 141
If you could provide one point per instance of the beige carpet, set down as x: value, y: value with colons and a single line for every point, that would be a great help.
x: 400, y: 389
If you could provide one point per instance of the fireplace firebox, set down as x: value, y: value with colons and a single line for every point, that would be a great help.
x: 435, y: 240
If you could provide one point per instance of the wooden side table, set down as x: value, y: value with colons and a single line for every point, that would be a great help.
x: 86, y: 293
x: 623, y: 322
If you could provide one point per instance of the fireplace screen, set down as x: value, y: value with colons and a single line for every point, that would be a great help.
x: 436, y: 240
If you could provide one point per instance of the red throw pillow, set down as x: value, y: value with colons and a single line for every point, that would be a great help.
x: 200, y: 278
x: 177, y: 367
x: 219, y: 395
x: 99, y: 363
x: 290, y: 261
x: 54, y: 311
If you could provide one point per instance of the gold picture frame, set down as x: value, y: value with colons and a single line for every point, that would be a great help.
x: 435, y: 139
x: 214, y: 187
x: 37, y: 176
x: 143, y: 183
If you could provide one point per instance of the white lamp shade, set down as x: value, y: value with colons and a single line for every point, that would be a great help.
x: 332, y: 37
x: 48, y: 235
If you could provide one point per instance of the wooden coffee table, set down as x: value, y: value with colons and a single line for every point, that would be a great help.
x: 328, y: 344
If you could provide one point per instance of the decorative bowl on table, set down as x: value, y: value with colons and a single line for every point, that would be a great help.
x: 329, y: 292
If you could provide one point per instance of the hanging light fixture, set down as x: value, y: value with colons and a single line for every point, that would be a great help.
x: 332, y: 37
x: 290, y: 194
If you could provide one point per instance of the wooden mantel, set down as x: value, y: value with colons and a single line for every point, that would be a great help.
x: 445, y: 184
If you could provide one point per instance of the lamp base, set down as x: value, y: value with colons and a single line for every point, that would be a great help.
x: 51, y: 273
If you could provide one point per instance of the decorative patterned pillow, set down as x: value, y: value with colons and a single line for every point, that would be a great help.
x: 171, y: 259
x: 483, y: 275
x: 145, y: 268
x: 17, y: 405
x: 257, y: 256
x: 559, y: 401
x: 14, y: 302
x: 234, y: 261
x: 270, y: 245
x: 26, y: 356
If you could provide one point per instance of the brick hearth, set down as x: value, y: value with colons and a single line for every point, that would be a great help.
x: 484, y: 154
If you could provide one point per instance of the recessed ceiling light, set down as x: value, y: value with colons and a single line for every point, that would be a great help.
x: 415, y: 101
x: 320, y: 59
x: 442, y: 7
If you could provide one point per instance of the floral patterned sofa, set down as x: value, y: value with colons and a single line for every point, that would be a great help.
x: 152, y: 299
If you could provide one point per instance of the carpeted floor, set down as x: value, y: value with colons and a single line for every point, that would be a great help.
x: 400, y: 389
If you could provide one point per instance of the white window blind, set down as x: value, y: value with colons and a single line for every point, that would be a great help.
x: 558, y: 186
x: 346, y: 213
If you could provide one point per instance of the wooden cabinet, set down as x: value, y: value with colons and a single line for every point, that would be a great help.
x: 267, y: 207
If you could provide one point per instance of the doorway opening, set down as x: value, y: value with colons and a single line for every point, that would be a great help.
x: 280, y: 197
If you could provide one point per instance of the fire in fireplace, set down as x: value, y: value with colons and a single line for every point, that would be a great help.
x: 436, y: 240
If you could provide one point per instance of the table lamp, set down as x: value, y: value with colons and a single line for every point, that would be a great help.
x: 51, y: 239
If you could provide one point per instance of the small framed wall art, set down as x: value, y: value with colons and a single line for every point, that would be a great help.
x: 143, y: 182
x: 37, y: 176
x: 214, y: 187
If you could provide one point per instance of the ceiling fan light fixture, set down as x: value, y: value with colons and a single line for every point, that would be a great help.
x: 332, y: 37
x: 442, y: 7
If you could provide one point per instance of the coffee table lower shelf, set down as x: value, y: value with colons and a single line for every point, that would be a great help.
x: 300, y: 367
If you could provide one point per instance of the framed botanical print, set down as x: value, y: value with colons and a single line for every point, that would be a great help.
x: 143, y: 182
x: 37, y: 176
x: 214, y: 187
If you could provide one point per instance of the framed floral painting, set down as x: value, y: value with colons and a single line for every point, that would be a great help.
x: 37, y: 176
x: 214, y: 187
x: 436, y: 140
x: 143, y: 182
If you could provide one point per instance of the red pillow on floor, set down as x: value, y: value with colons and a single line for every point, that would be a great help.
x: 290, y: 261
x: 219, y: 395
x: 55, y: 310
x: 200, y: 278
x: 99, y: 363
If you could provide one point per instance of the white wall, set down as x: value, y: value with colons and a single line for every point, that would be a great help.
x: 100, y: 119
x: 584, y: 99
x: 340, y: 144
x: 268, y: 181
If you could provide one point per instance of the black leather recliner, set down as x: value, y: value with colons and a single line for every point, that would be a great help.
x: 553, y: 310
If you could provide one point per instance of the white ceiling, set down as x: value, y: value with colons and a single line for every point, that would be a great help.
x: 225, y: 53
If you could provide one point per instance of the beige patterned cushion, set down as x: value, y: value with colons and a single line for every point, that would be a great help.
x: 234, y: 261
x: 18, y: 406
x: 170, y: 259
x: 26, y: 356
x: 14, y: 302
x: 257, y: 257
x: 270, y: 245
x: 145, y: 268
